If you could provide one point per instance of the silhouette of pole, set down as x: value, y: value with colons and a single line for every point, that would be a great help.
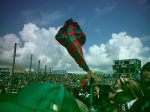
x: 50, y: 70
x: 30, y: 63
x: 39, y: 67
x: 13, y: 67
x: 45, y: 68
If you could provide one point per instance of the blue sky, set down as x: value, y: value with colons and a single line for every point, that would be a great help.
x: 99, y: 19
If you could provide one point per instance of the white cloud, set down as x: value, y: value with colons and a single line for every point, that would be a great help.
x: 104, y: 10
x: 52, y: 17
x: 6, y: 45
x: 42, y: 18
x: 145, y: 38
x: 42, y: 44
x: 37, y: 41
x: 107, y: 7
x: 7, y: 42
x: 120, y: 46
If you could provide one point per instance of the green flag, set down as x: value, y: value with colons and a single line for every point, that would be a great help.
x: 41, y: 98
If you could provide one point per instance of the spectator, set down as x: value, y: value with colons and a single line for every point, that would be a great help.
x: 121, y: 97
x: 132, y: 87
x: 143, y: 103
x: 105, y: 100
x: 131, y: 91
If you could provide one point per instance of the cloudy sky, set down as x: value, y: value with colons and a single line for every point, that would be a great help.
x: 115, y: 29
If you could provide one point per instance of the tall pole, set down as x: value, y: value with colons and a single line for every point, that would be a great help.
x: 13, y: 67
x: 30, y: 64
x: 45, y: 68
x: 39, y: 67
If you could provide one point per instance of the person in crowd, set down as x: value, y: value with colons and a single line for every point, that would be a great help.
x: 105, y: 103
x: 128, y: 92
x: 121, y: 97
x: 143, y: 103
x: 132, y: 87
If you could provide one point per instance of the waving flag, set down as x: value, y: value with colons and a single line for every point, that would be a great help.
x: 72, y: 38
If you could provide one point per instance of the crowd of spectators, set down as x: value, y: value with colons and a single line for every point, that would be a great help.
x: 14, y: 83
x: 125, y: 95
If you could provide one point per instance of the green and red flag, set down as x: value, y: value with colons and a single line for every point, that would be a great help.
x: 73, y: 38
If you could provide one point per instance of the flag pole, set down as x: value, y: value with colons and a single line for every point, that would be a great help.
x: 30, y: 63
x: 39, y: 67
x: 13, y: 67
x: 45, y: 68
